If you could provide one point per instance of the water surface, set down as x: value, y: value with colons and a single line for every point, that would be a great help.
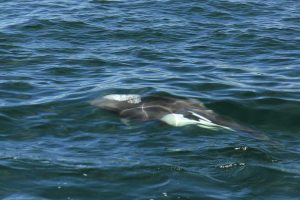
x: 241, y: 58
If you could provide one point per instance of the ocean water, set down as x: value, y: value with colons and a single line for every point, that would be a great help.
x: 240, y: 58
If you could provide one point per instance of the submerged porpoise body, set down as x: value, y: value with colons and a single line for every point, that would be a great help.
x: 173, y: 111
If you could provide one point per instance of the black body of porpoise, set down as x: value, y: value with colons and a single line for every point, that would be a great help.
x: 171, y: 110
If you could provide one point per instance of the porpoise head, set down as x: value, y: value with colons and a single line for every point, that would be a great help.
x: 117, y: 102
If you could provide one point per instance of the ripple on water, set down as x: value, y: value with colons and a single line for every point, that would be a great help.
x: 239, y: 57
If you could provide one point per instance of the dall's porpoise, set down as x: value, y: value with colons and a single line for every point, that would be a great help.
x: 171, y: 110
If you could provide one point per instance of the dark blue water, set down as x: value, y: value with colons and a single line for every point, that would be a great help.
x: 241, y: 58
